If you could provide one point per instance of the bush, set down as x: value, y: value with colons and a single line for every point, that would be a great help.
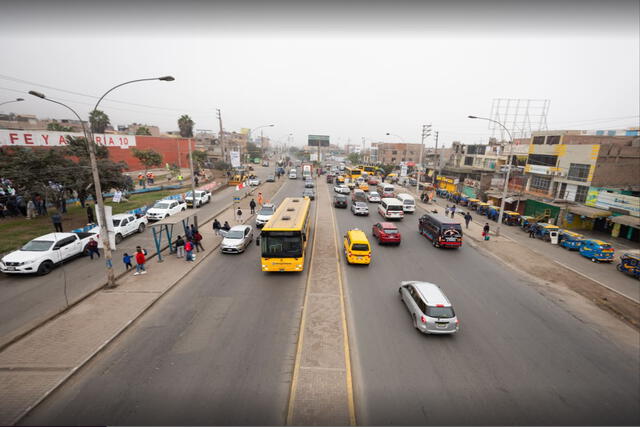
x: 221, y: 165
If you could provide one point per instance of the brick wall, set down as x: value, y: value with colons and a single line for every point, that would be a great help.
x: 170, y: 148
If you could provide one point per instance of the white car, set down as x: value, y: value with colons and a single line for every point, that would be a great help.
x: 125, y: 225
x: 293, y: 175
x: 202, y: 197
x: 254, y: 182
x: 237, y: 239
x: 373, y: 197
x: 359, y: 208
x: 342, y: 189
x: 265, y: 214
x: 41, y: 254
x: 165, y: 208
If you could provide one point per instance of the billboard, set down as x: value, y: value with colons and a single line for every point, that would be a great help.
x: 318, y: 140
x: 235, y: 159
x: 44, y: 138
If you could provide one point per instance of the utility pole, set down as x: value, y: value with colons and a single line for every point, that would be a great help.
x: 221, y: 137
x: 437, y: 165
x: 426, y: 131
x: 193, y: 177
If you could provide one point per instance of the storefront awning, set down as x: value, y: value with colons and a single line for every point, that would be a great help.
x: 629, y: 220
x: 589, y: 212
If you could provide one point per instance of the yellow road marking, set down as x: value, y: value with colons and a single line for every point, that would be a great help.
x: 296, y: 365
x: 345, y: 331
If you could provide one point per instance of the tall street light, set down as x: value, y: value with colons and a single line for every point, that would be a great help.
x: 15, y: 100
x: 426, y: 132
x: 89, y: 138
x: 506, y: 181
x: 260, y: 127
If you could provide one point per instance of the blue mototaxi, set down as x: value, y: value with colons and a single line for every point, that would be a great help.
x: 464, y: 201
x: 511, y: 218
x: 597, y: 250
x: 570, y: 240
x: 442, y: 192
x: 473, y: 204
x: 483, y: 208
x: 630, y: 264
x: 526, y: 222
x: 542, y: 230
x: 493, y: 212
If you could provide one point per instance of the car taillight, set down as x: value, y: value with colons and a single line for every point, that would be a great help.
x: 423, y: 319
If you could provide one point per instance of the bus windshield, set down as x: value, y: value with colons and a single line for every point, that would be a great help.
x: 281, y: 244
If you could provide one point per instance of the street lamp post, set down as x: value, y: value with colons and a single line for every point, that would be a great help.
x: 15, y: 100
x: 111, y: 282
x: 260, y: 127
x: 426, y: 131
x: 506, y: 180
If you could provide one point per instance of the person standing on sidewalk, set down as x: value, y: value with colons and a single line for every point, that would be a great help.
x: 226, y: 227
x: 216, y: 226
x: 239, y: 215
x: 31, y: 209
x: 140, y: 262
x: 90, y: 218
x: 252, y: 205
x: 188, y: 247
x: 93, y: 248
x: 197, y: 241
x: 485, y: 231
x: 179, y: 247
x: 532, y: 232
x: 260, y: 199
x: 126, y: 259
x: 467, y: 219
x: 57, y: 221
x: 453, y: 210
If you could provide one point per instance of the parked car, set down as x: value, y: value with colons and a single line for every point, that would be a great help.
x: 271, y: 178
x: 341, y: 189
x: 254, y: 182
x: 359, y: 208
x: 386, y: 232
x: 340, y: 201
x: 237, y: 239
x: 430, y: 309
x: 165, y: 208
x: 308, y: 192
x: 373, y: 197
x: 125, y: 225
x: 202, y: 197
x: 264, y: 214
x: 41, y: 254
x: 597, y: 250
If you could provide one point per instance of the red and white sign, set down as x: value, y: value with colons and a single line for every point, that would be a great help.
x: 43, y: 138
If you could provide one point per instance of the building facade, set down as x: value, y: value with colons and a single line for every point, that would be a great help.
x: 394, y: 153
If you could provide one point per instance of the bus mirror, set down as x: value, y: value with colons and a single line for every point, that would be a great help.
x: 258, y: 241
x: 304, y: 237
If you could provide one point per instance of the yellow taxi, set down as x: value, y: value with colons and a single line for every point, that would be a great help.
x: 364, y: 186
x: 340, y: 179
x: 356, y: 247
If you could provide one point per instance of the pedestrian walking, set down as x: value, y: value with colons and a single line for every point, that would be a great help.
x: 57, y: 221
x: 188, y: 247
x: 93, y: 248
x: 194, y: 230
x: 31, y: 209
x: 216, y: 226
x: 188, y: 234
x: 90, y: 218
x: 226, y: 227
x: 197, y: 240
x: 260, y: 199
x: 467, y: 219
x: 532, y: 232
x: 453, y: 210
x: 180, y: 247
x: 485, y: 231
x: 252, y: 205
x: 239, y: 215
x: 446, y: 211
x: 196, y: 180
x: 141, y: 260
x: 126, y: 259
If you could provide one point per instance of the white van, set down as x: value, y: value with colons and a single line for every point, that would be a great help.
x: 408, y: 202
x: 386, y: 190
x: 391, y: 208
x: 293, y: 174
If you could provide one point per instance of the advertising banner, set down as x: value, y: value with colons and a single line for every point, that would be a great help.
x: 318, y: 140
x: 235, y: 159
x: 43, y: 138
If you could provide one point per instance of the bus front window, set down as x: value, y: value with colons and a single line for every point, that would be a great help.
x: 281, y: 245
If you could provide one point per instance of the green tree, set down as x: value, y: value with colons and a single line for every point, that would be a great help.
x: 220, y: 165
x: 143, y: 130
x: 57, y: 127
x: 199, y: 159
x: 354, y: 158
x: 186, y: 126
x: 148, y: 158
x: 99, y: 121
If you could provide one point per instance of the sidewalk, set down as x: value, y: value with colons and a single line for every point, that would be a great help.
x: 33, y: 367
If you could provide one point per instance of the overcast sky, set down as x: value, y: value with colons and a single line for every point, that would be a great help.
x: 349, y: 71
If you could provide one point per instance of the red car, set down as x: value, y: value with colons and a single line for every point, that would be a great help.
x: 386, y: 232
x: 372, y: 181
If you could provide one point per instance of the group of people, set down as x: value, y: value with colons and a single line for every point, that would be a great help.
x: 185, y: 246
x: 140, y: 257
x: 149, y: 178
x: 217, y: 228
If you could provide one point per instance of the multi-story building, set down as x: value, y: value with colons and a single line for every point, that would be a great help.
x: 132, y: 129
x: 394, y: 153
x: 31, y: 122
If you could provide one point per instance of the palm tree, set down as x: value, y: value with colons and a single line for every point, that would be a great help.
x: 186, y: 126
x: 99, y: 121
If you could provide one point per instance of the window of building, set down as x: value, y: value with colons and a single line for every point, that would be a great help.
x: 540, y: 183
x: 394, y: 152
x: 563, y: 190
x: 468, y: 161
x: 581, y: 193
x: 578, y: 172
x: 542, y: 160
x: 553, y: 139
x: 403, y: 159
x: 393, y: 159
x: 538, y: 140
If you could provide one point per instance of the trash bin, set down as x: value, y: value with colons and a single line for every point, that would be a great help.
x: 553, y: 235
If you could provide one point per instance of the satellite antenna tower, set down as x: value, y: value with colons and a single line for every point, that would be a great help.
x: 521, y: 116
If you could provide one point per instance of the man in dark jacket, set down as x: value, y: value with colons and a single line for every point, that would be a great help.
x: 90, y: 218
x: 216, y: 226
x: 57, y: 222
x: 252, y: 205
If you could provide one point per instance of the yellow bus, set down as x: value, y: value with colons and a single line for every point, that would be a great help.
x: 370, y: 170
x: 284, y: 237
x: 352, y: 173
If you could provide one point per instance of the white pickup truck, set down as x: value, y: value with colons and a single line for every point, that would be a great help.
x: 124, y: 225
x: 164, y: 208
x: 202, y: 197
x: 41, y: 254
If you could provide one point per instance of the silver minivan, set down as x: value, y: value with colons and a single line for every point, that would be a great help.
x: 429, y: 307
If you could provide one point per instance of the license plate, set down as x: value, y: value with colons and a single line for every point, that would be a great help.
x: 450, y: 239
x: 11, y: 269
x: 441, y: 325
x: 359, y: 258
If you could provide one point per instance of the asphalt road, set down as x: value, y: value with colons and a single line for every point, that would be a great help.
x: 25, y: 300
x: 518, y: 359
x: 218, y: 349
